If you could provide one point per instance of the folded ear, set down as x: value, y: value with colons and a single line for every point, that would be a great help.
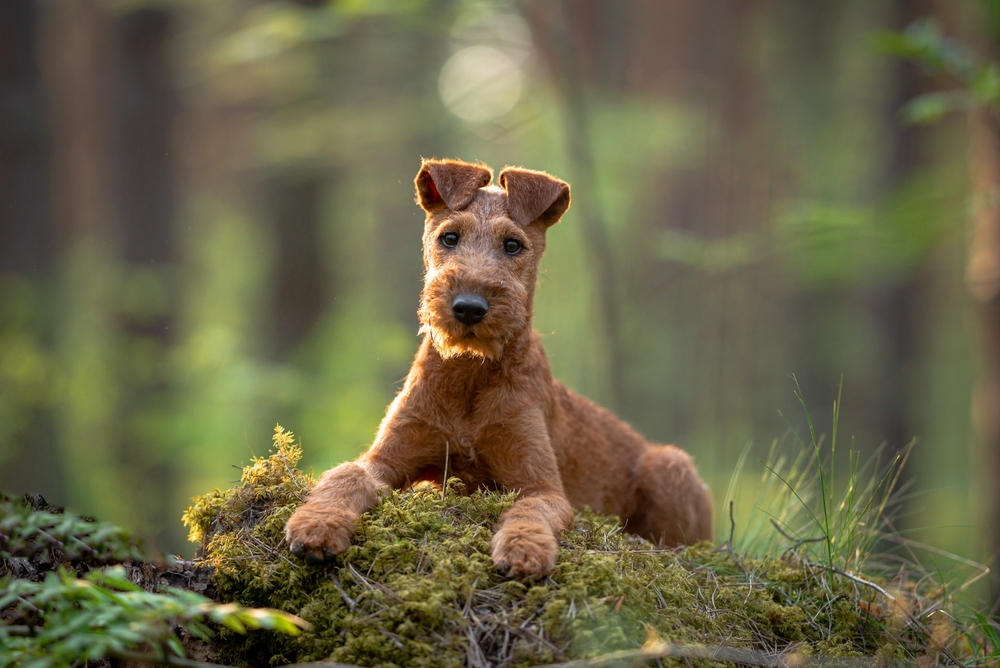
x: 449, y: 183
x: 534, y: 196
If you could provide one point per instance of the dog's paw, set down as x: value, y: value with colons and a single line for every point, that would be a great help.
x: 524, y: 550
x: 318, y: 533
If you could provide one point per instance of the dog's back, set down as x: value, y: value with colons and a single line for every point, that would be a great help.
x: 607, y: 466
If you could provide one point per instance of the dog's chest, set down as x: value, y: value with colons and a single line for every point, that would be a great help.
x: 469, y: 411
x: 460, y: 459
x: 467, y: 447
x: 465, y: 418
x: 461, y: 447
x: 465, y: 463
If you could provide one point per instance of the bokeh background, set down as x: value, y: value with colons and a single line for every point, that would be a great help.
x: 207, y: 227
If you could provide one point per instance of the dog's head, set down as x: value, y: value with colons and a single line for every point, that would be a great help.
x: 482, y: 246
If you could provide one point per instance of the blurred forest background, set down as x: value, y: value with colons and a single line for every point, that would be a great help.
x: 207, y: 226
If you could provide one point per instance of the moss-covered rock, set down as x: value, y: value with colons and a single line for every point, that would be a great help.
x: 418, y: 587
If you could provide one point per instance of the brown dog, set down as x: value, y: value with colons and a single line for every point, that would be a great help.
x: 481, y: 391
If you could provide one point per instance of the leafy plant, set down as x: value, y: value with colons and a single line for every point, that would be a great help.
x: 922, y: 41
x: 53, y: 618
x: 65, y: 620
x: 26, y: 531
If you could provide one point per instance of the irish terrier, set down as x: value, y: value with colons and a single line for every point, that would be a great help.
x: 480, y: 394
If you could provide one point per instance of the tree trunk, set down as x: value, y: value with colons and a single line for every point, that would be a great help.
x: 561, y: 31
x: 77, y: 53
x: 982, y: 276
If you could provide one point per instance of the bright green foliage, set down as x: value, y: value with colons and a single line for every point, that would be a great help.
x: 62, y: 620
x: 923, y: 42
x: 418, y: 587
x: 68, y: 620
x: 26, y: 531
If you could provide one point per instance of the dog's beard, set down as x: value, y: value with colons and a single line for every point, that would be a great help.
x: 486, y: 339
x: 448, y: 346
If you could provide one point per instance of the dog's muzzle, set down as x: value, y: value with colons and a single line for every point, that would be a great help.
x: 469, y: 309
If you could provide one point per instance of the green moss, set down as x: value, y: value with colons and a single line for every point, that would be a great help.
x: 418, y: 587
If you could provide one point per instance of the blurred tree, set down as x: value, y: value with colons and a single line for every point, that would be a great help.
x: 983, y: 277
x: 300, y: 286
x: 24, y: 244
x: 977, y: 76
x: 716, y: 213
x: 78, y: 65
x: 565, y: 34
x: 146, y: 106
x: 26, y: 241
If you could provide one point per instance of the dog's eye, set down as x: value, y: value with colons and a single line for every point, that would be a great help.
x: 512, y: 247
x: 449, y: 239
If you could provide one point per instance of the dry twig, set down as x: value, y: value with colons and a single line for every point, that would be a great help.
x: 729, y: 543
x: 913, y: 620
x: 746, y: 657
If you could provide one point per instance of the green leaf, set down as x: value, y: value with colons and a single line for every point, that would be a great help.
x: 105, y: 612
x: 233, y: 624
x: 175, y: 646
x: 894, y: 44
x: 924, y: 42
x: 985, y: 86
x: 932, y: 107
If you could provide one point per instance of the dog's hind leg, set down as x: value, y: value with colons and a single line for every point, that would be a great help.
x: 672, y: 506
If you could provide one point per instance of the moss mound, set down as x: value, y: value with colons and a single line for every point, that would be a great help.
x: 418, y: 587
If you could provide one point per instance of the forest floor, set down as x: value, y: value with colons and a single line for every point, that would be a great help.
x: 418, y: 587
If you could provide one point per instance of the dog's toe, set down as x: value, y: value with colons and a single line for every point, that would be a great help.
x: 315, y: 557
x: 524, y: 551
x: 317, y: 534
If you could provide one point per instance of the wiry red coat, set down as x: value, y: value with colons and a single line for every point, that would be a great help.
x: 482, y: 393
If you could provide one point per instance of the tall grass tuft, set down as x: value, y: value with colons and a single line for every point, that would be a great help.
x: 834, y: 520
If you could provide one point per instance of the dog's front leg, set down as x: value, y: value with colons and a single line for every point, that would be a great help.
x: 323, y: 525
x: 525, y: 538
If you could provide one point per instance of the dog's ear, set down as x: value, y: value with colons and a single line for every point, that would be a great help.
x: 449, y: 183
x: 534, y: 196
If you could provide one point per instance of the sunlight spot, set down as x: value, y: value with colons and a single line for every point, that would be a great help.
x: 479, y: 83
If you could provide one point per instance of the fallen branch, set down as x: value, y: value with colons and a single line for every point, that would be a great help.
x: 661, y: 650
x: 154, y: 659
x: 165, y: 659
x: 151, y: 658
x: 746, y: 657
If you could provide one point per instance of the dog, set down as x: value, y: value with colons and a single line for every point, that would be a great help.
x: 480, y: 393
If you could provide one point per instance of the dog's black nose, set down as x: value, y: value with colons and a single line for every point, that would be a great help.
x: 469, y: 309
